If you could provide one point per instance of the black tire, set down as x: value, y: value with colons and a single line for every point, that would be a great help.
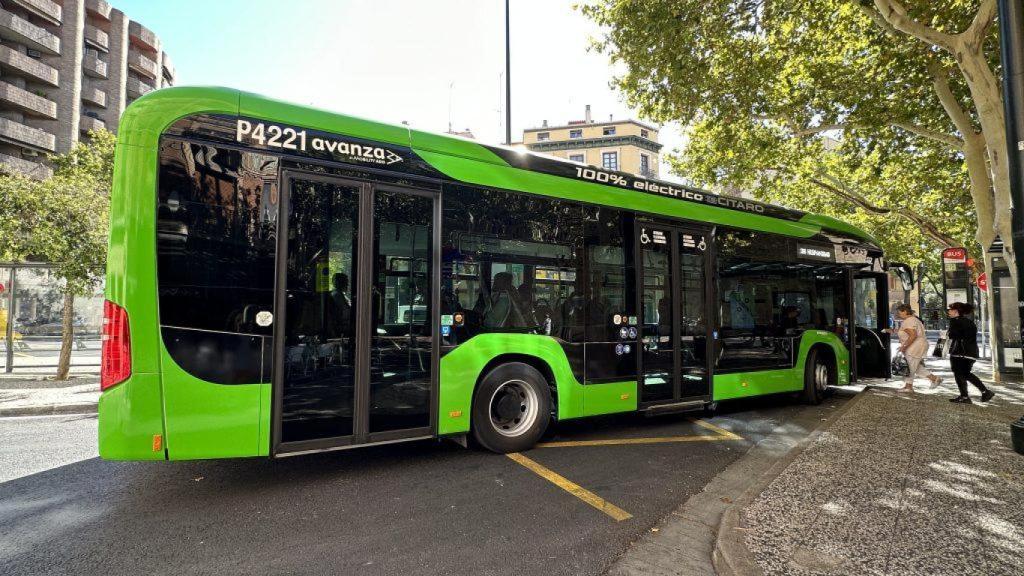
x: 511, y: 408
x: 710, y: 408
x: 819, y: 374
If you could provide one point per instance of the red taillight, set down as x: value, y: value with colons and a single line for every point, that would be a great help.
x: 116, y: 365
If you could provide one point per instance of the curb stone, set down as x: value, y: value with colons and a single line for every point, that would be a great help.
x: 50, y: 410
x: 731, y: 557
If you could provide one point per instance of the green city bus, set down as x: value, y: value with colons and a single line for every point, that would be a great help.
x: 284, y: 280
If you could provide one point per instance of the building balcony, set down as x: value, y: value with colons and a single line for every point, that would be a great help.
x: 14, y: 165
x: 142, y: 65
x: 22, y: 31
x: 21, y: 135
x: 96, y: 38
x: 87, y: 123
x: 143, y: 36
x: 93, y: 95
x: 168, y: 64
x: 27, y: 102
x: 45, y: 9
x: 15, y: 63
x: 99, y: 9
x: 93, y: 66
x: 136, y: 87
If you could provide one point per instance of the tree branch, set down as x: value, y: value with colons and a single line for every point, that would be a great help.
x: 802, y: 132
x: 956, y: 113
x: 812, y: 130
x: 983, y: 20
x: 839, y: 189
x: 930, y: 134
x: 867, y: 8
x: 897, y: 17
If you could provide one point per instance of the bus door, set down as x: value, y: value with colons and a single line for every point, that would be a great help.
x: 674, y: 304
x: 871, y: 356
x: 355, y: 349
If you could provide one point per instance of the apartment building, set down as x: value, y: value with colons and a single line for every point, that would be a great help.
x: 623, y: 145
x: 66, y: 68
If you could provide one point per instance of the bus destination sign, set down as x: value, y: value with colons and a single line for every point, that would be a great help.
x: 254, y: 132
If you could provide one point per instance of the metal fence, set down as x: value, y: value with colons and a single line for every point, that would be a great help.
x: 31, y: 311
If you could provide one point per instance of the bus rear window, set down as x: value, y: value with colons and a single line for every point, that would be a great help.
x: 216, y: 228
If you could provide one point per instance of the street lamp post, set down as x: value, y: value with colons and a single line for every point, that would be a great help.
x: 508, y: 82
x: 1011, y: 34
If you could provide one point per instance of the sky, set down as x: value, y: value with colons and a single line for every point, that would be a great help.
x: 423, y: 62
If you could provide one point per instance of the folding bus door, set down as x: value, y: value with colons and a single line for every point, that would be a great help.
x: 871, y: 355
x: 355, y: 351
x: 674, y: 327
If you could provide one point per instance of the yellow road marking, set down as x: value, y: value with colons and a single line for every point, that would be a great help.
x: 720, y: 435
x: 721, y: 431
x: 626, y: 441
x: 572, y: 488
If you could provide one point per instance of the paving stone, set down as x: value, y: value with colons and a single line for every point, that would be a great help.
x: 901, y: 484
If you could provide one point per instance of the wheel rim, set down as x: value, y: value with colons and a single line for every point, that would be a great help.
x: 513, y: 408
x: 821, y: 376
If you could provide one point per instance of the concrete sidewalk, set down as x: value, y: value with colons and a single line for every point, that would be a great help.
x: 36, y: 395
x: 900, y: 484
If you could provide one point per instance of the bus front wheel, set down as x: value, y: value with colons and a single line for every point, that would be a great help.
x: 819, y: 374
x: 511, y: 408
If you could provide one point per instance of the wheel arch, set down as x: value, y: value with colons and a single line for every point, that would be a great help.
x: 826, y: 350
x: 535, y: 362
x: 829, y: 344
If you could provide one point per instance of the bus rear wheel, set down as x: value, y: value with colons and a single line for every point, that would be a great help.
x: 819, y: 374
x: 511, y: 408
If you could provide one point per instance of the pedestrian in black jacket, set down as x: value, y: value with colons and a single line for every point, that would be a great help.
x: 963, y: 351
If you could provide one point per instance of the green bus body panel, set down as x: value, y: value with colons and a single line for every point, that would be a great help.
x: 452, y: 146
x: 199, y: 419
x: 207, y: 420
x: 129, y: 415
x: 132, y: 412
x: 255, y: 106
x: 610, y: 398
x: 745, y: 384
x: 146, y: 118
x: 463, y: 366
x: 822, y: 221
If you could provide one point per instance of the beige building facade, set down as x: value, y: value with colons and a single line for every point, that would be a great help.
x: 623, y: 145
x: 66, y: 68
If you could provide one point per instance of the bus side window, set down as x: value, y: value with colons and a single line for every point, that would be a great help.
x: 511, y: 260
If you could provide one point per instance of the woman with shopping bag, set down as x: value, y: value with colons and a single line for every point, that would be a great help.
x: 963, y: 351
x: 913, y: 345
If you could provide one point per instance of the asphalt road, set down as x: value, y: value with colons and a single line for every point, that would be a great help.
x: 422, y: 508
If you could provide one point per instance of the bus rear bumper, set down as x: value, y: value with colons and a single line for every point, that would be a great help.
x: 131, y: 420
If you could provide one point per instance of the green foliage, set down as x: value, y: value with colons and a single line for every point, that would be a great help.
x: 62, y: 219
x: 794, y: 100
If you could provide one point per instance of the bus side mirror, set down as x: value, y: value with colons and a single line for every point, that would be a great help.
x: 905, y: 274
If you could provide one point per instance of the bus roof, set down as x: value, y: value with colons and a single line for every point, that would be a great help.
x: 469, y: 161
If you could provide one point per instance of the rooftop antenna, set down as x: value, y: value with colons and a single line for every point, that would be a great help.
x: 450, y: 86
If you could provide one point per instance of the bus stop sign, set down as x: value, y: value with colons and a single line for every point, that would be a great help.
x: 952, y: 255
x: 983, y: 282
